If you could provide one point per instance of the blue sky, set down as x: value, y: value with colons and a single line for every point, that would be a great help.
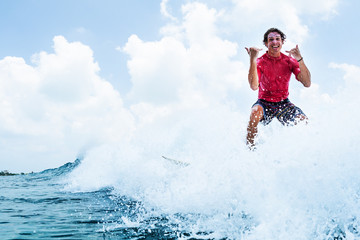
x: 75, y: 72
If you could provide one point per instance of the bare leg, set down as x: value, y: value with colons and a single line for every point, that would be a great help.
x: 301, y: 118
x: 257, y: 113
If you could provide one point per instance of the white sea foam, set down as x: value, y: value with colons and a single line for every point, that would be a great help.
x: 302, y: 182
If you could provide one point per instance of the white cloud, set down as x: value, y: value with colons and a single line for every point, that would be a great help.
x: 247, y: 15
x: 348, y: 93
x: 157, y: 69
x: 164, y: 10
x: 54, y: 109
x: 190, y: 61
x: 69, y: 73
x: 352, y: 72
x: 325, y: 8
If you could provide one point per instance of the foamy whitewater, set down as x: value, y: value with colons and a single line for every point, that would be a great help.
x: 302, y: 182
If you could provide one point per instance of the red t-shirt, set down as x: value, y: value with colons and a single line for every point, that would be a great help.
x: 274, y: 76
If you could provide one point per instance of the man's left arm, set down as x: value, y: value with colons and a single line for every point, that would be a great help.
x: 304, y: 76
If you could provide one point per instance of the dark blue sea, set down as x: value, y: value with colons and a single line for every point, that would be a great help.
x: 36, y: 206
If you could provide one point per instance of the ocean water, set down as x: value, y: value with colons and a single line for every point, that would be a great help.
x: 36, y: 206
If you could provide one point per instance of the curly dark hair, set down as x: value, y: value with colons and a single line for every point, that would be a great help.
x: 283, y: 36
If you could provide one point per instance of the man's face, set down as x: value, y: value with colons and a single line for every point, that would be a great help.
x: 274, y: 44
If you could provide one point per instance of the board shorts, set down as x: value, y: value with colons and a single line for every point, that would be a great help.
x: 285, y: 111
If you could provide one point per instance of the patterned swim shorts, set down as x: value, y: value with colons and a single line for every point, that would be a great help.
x: 285, y: 111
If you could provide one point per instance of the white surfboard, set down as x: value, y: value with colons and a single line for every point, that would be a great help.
x: 176, y: 162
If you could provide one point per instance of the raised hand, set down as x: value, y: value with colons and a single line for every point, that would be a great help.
x: 295, y: 53
x: 253, y: 52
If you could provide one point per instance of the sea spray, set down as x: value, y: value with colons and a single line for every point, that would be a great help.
x: 301, y: 182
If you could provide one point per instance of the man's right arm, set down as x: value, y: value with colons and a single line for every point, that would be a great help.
x: 253, y: 75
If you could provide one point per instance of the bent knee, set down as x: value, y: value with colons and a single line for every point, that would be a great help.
x: 257, y: 113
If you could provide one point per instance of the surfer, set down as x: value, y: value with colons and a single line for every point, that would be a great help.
x: 270, y: 74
